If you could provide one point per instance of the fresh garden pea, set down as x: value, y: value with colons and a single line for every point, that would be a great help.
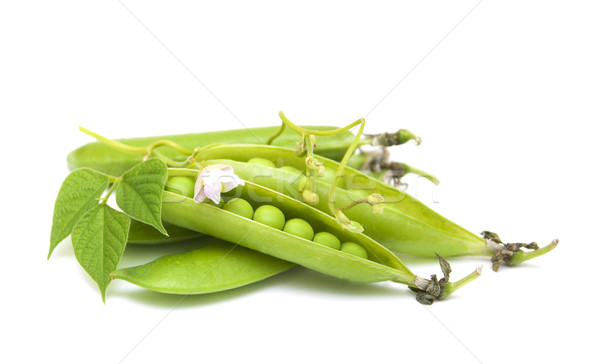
x: 299, y: 228
x: 354, y: 249
x: 381, y: 265
x: 216, y: 267
x: 270, y: 216
x: 327, y: 239
x: 181, y: 185
x: 262, y: 161
x: 240, y: 207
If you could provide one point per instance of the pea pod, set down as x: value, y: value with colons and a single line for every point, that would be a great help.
x: 140, y: 233
x: 381, y: 265
x: 106, y: 159
x: 406, y: 225
x: 215, y: 267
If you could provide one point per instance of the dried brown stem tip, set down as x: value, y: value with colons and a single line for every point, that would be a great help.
x: 428, y: 290
x: 506, y: 252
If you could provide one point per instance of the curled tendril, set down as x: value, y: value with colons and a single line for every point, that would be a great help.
x: 308, y: 143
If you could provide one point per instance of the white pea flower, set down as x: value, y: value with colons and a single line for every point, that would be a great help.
x: 213, y: 180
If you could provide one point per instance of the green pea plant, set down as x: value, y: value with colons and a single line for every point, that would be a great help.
x: 256, y: 210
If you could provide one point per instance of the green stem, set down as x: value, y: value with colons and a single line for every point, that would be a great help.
x: 338, y: 173
x: 147, y: 150
x: 451, y: 287
x: 306, y: 140
x: 115, y: 181
x: 410, y: 169
x: 301, y: 131
x: 169, y: 143
x: 277, y: 133
x: 521, y: 256
x: 352, y: 204
x: 113, y: 143
x: 170, y: 162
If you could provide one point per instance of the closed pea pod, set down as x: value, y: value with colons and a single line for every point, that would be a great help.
x: 219, y: 266
x: 107, y: 159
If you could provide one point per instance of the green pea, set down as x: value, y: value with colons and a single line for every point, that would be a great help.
x: 354, y: 249
x: 327, y: 239
x: 270, y: 215
x: 240, y: 207
x: 299, y: 228
x: 181, y: 185
x: 262, y: 161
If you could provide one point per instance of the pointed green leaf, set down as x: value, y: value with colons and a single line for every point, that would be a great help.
x: 78, y: 194
x: 99, y: 239
x: 139, y: 194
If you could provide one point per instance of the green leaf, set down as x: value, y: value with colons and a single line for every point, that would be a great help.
x: 99, y: 239
x: 139, y: 194
x: 78, y: 194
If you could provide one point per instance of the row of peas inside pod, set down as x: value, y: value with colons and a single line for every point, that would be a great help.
x: 270, y: 215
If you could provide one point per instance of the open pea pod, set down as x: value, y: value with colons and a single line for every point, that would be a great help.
x: 405, y: 226
x: 352, y: 180
x: 215, y: 267
x: 381, y: 264
x: 109, y: 160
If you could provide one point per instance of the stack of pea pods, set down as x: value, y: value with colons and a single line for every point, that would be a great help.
x: 285, y: 195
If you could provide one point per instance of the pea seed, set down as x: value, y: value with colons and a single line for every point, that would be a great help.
x: 240, y: 207
x: 262, y: 161
x: 327, y: 239
x: 354, y: 249
x: 270, y: 216
x: 181, y: 185
x: 299, y: 228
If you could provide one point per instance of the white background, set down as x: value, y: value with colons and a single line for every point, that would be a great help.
x: 506, y: 101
